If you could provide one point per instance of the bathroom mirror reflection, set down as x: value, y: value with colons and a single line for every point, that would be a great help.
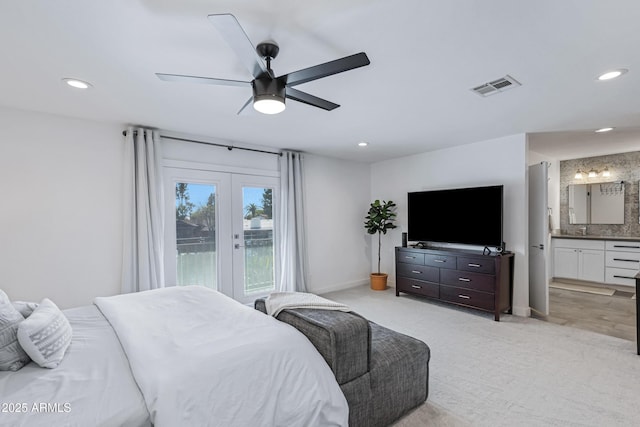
x: 599, y: 203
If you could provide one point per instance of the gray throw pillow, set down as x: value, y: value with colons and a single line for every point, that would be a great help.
x: 24, y: 307
x: 12, y: 356
x: 45, y: 335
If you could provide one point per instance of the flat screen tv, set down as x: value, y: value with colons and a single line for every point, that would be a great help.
x: 471, y: 216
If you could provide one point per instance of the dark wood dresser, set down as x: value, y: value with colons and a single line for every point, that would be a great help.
x: 461, y: 277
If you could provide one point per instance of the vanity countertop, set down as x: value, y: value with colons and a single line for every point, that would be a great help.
x: 594, y: 237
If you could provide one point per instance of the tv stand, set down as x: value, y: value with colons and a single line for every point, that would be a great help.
x: 457, y: 276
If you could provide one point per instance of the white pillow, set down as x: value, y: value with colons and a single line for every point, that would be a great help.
x: 45, y: 335
x: 25, y: 308
x: 12, y: 356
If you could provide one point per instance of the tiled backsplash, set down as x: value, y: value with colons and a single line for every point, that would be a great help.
x: 623, y: 167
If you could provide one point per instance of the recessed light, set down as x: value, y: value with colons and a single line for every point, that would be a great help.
x: 78, y: 84
x: 362, y: 144
x: 601, y: 130
x: 612, y: 74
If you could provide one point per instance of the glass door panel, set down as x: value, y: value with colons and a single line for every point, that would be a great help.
x: 259, y: 274
x: 196, y: 234
x: 255, y: 230
x: 198, y: 229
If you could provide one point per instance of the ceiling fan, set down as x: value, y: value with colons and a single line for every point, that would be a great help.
x: 269, y: 91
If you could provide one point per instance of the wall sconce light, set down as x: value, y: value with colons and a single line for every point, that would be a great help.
x: 580, y: 174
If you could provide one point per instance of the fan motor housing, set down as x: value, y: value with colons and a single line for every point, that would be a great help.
x: 268, y: 88
x: 268, y: 49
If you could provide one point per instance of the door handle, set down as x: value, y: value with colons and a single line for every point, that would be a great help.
x: 238, y: 246
x: 540, y: 246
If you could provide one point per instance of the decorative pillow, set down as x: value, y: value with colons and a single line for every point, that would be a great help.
x: 45, y: 335
x: 25, y: 308
x: 12, y: 356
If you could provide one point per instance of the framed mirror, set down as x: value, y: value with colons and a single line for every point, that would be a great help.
x: 599, y: 203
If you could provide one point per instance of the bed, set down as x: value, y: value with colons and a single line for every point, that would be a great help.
x: 176, y: 356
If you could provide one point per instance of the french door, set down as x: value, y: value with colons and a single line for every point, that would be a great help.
x: 221, y: 231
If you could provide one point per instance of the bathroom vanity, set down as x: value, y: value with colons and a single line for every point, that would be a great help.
x: 610, y: 260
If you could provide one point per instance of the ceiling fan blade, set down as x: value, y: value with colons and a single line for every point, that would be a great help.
x: 298, y: 95
x: 327, y: 69
x: 201, y: 80
x: 249, y: 101
x: 234, y: 35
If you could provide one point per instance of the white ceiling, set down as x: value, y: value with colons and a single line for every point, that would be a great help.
x: 414, y: 97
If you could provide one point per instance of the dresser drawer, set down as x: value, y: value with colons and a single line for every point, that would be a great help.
x: 477, y: 265
x: 409, y: 257
x: 464, y: 279
x: 418, y: 287
x: 440, y: 261
x: 468, y: 297
x: 420, y: 272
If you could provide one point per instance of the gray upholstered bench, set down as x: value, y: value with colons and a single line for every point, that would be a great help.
x: 382, y: 373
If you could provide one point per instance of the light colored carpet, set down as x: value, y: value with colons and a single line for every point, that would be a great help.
x: 516, y: 372
x: 582, y: 288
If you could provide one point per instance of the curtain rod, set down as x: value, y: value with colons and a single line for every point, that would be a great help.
x: 228, y: 147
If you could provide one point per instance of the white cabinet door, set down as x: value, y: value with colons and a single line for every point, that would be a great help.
x: 591, y: 265
x: 565, y: 263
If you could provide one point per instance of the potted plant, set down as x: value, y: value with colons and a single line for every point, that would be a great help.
x: 379, y: 219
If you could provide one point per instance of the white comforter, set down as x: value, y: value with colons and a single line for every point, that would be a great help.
x: 203, y: 359
x: 92, y: 386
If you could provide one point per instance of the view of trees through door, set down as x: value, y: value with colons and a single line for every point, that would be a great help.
x: 224, y: 232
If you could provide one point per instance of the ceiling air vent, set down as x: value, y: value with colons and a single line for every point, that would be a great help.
x: 493, y: 87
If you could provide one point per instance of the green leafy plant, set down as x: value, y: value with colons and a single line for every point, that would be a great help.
x: 379, y: 219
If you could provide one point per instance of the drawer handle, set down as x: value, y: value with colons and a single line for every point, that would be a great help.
x: 416, y: 272
x: 626, y: 260
x: 439, y: 260
x: 410, y: 257
x: 463, y: 296
x: 416, y: 287
x: 623, y: 277
x: 474, y: 265
x: 626, y: 246
x: 464, y: 279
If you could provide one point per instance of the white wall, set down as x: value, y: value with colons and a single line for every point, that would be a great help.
x: 493, y: 162
x: 337, y: 199
x: 61, y: 212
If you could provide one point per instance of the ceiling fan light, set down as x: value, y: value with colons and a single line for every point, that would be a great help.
x: 266, y: 104
x: 268, y: 95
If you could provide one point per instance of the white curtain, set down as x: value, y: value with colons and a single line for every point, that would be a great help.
x: 292, y: 231
x: 143, y: 252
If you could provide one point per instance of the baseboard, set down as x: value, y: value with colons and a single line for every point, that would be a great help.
x: 338, y: 286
